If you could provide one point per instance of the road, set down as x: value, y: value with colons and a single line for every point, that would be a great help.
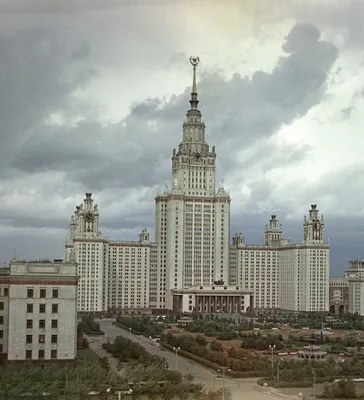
x: 202, y: 375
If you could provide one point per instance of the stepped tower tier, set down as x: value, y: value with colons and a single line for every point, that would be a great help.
x: 193, y: 165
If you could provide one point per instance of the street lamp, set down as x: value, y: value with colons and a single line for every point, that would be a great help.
x: 176, y: 349
x: 130, y: 331
x: 314, y: 383
x: 223, y: 380
x: 272, y: 347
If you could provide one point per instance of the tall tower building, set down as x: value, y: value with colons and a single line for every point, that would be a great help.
x: 193, y: 218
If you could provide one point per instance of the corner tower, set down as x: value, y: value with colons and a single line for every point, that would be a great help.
x: 313, y: 227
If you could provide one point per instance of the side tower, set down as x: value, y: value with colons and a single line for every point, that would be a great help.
x: 313, y: 227
x: 273, y: 233
x: 88, y: 247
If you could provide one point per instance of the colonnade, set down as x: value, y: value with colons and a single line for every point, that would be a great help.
x: 214, y: 304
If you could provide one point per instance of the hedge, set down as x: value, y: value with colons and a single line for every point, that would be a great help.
x: 211, y: 365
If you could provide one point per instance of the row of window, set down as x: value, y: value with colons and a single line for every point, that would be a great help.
x: 41, y: 339
x: 42, y: 308
x: 42, y: 324
x: 41, y: 354
x: 42, y: 293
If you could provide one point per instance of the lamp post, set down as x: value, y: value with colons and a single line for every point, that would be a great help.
x: 223, y: 380
x: 272, y: 347
x: 176, y: 349
x: 314, y: 383
x: 130, y: 331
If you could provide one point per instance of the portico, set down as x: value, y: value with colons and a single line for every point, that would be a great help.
x: 213, y: 299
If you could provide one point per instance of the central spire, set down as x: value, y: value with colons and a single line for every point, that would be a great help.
x: 194, y: 102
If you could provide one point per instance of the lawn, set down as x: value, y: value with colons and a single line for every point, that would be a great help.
x: 87, y: 355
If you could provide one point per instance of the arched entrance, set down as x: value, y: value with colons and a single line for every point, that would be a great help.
x: 332, y: 309
x: 341, y: 309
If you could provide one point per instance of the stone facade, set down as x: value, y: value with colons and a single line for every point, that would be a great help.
x: 339, y: 295
x: 42, y: 311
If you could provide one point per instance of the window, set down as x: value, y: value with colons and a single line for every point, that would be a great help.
x: 54, y: 308
x: 28, y: 354
x: 54, y: 339
x: 53, y: 354
x: 29, y: 339
x: 29, y: 323
x: 1, y: 305
x: 6, y: 292
x: 41, y: 354
x: 41, y: 339
x: 29, y: 308
x: 54, y: 323
x: 30, y: 293
x: 43, y: 293
x: 1, y: 320
x: 42, y: 308
x: 55, y: 293
x: 41, y: 323
x: 1, y: 348
x: 1, y: 334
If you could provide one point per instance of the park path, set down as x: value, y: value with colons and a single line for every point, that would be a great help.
x: 240, y: 388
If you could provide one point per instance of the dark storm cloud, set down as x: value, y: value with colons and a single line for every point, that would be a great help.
x: 37, y: 77
x: 238, y: 112
x: 40, y: 73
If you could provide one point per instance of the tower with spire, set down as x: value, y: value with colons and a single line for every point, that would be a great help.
x: 193, y: 218
x: 313, y: 226
x: 193, y: 164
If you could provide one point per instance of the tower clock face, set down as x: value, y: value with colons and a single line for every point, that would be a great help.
x: 89, y: 217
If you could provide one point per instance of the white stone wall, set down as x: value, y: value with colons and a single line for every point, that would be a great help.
x: 304, y: 277
x: 66, y: 330
x: 129, y: 274
x: 90, y: 256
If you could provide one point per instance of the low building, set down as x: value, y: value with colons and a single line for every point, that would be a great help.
x: 39, y: 319
x: 338, y: 295
x: 213, y: 299
x: 355, y: 277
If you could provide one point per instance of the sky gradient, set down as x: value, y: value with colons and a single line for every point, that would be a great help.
x: 94, y: 94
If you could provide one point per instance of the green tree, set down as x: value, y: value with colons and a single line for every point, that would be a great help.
x: 201, y: 340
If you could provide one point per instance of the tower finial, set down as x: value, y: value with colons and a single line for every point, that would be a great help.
x: 194, y: 62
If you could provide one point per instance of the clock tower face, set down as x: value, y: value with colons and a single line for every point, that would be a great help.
x: 89, y: 217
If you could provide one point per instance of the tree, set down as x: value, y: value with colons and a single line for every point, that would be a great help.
x: 216, y: 346
x: 201, y: 340
x: 344, y: 389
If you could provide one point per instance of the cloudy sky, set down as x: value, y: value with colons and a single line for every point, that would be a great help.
x: 94, y: 93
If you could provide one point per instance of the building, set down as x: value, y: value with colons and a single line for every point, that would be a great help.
x: 338, y: 295
x: 284, y: 275
x: 4, y: 313
x: 354, y: 275
x: 193, y: 218
x: 113, y: 275
x: 191, y: 253
x: 39, y: 316
x: 305, y: 268
x: 213, y: 299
